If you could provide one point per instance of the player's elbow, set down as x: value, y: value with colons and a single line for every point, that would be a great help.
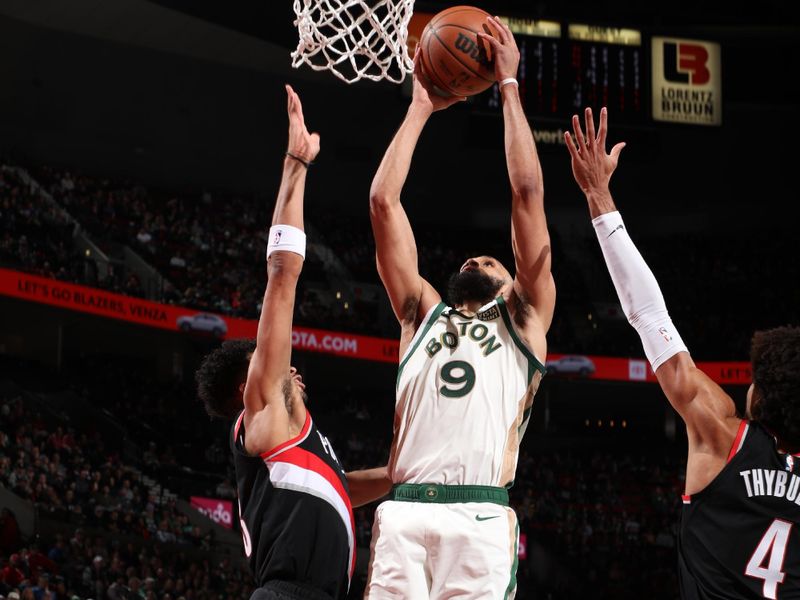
x: 284, y: 266
x: 528, y: 190
x: 681, y: 381
x: 381, y: 203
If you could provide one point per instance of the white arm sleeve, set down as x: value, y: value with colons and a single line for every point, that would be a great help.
x: 638, y: 291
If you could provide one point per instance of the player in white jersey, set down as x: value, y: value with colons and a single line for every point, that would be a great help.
x: 468, y: 373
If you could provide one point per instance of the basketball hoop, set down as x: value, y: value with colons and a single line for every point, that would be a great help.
x: 354, y: 38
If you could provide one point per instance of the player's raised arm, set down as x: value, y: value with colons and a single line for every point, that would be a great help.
x: 708, y: 411
x: 268, y: 373
x: 533, y: 282
x: 411, y: 296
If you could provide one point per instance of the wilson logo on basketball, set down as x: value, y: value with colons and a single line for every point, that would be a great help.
x: 471, y: 48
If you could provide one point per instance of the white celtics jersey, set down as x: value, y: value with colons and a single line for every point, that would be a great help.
x: 465, y: 389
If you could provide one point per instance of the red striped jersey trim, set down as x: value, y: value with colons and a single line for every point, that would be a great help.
x: 738, y: 441
x: 269, y: 454
x: 303, y: 471
x: 238, y: 426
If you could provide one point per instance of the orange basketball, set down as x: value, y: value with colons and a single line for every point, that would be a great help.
x: 455, y: 60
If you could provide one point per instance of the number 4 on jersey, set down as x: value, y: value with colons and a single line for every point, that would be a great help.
x: 772, y: 545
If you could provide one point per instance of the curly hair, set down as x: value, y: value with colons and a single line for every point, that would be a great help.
x: 220, y: 374
x: 775, y: 359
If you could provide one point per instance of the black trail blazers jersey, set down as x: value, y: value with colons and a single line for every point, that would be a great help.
x: 740, y: 536
x: 295, y: 512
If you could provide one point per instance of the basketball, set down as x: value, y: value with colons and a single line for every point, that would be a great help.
x: 455, y: 60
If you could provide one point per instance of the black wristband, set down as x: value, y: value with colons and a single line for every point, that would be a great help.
x: 305, y: 163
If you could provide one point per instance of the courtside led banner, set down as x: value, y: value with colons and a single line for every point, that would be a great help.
x: 610, y: 368
x: 219, y: 511
x: 191, y: 322
x: 687, y: 81
x: 177, y: 318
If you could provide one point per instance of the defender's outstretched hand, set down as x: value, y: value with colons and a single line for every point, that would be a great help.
x: 591, y: 165
x: 302, y: 144
x: 505, y: 53
x: 424, y: 96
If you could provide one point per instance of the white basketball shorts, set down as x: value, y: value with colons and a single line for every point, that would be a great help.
x: 443, y: 551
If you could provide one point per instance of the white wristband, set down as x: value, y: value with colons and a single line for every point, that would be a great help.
x: 286, y: 238
x: 508, y: 80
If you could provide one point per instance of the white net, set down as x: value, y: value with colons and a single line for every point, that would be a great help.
x: 354, y: 38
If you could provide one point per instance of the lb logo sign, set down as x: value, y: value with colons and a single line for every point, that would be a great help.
x: 687, y: 82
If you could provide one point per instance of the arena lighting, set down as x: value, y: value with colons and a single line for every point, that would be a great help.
x: 607, y: 35
x: 535, y: 27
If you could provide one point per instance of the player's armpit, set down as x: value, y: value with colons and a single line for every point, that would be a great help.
x: 540, y: 302
x: 530, y: 327
x: 530, y: 240
x: 270, y: 426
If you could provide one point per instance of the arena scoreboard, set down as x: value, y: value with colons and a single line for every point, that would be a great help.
x: 565, y: 68
x: 642, y: 79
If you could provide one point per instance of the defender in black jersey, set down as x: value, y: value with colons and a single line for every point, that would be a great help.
x: 740, y: 527
x: 295, y: 512
x: 738, y: 535
x: 295, y: 506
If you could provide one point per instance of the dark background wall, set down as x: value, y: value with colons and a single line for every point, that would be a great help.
x: 151, y: 93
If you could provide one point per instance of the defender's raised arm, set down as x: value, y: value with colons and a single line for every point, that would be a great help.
x: 268, y: 376
x: 708, y: 411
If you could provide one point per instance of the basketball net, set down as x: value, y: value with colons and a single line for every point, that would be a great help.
x: 354, y: 38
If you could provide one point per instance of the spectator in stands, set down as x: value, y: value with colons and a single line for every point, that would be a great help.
x: 11, y: 575
x: 42, y: 591
x: 9, y: 528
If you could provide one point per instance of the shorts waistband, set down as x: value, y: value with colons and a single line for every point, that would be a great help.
x: 444, y: 494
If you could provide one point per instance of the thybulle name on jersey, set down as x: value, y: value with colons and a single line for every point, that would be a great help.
x: 771, y: 482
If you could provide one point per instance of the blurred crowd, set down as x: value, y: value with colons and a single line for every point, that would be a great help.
x: 592, y: 518
x: 38, y: 236
x: 35, y: 235
x: 83, y: 567
x: 118, y: 536
x: 77, y: 478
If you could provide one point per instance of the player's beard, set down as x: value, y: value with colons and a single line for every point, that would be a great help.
x: 469, y: 286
